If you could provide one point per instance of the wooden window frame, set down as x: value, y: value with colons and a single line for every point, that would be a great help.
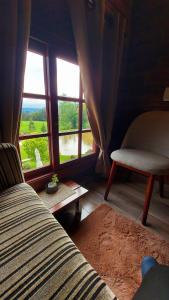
x: 80, y: 100
x: 52, y: 98
x: 41, y: 49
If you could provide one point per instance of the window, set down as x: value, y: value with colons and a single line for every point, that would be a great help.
x: 75, y: 137
x: 54, y: 127
x: 33, y: 134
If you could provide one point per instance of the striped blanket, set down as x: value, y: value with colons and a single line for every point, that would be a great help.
x: 38, y: 259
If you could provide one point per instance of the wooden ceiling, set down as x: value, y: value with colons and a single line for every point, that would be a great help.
x: 52, y: 16
x: 121, y: 5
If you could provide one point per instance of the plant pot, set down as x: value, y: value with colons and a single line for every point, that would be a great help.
x: 51, y: 188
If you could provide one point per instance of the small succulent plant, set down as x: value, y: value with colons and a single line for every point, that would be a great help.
x: 55, y: 178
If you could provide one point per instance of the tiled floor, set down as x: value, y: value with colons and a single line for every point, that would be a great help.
x: 128, y: 198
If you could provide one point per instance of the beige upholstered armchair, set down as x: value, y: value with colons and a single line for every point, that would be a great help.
x: 145, y: 150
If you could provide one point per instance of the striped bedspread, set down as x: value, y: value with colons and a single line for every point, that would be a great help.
x: 38, y: 259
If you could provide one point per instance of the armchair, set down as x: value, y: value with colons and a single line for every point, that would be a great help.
x: 145, y: 150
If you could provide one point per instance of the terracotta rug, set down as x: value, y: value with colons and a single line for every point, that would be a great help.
x: 115, y: 245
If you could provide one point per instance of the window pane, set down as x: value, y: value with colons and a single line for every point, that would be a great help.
x: 33, y: 117
x: 34, y: 74
x: 85, y: 121
x: 68, y: 115
x: 87, y: 143
x: 68, y: 147
x: 34, y: 153
x: 68, y: 76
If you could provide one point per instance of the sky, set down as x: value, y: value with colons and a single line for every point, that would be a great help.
x: 34, y: 79
x: 68, y: 75
x: 33, y: 103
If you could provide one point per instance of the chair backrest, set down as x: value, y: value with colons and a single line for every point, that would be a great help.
x: 150, y: 132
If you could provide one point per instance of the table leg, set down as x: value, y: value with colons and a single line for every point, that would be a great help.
x: 77, y: 211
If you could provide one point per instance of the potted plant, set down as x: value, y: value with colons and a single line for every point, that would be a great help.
x: 52, y: 186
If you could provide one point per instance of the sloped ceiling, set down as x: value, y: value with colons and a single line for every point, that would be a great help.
x: 52, y: 16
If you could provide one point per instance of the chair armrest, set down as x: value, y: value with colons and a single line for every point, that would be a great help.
x: 10, y: 166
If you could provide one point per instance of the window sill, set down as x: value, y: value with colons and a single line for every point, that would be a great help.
x: 39, y: 178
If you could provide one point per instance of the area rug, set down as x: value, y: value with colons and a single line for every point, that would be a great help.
x: 114, y: 245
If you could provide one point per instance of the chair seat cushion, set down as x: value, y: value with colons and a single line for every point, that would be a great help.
x: 147, y: 161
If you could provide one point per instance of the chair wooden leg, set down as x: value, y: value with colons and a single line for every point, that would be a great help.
x: 148, y: 195
x: 110, y: 180
x: 161, y: 186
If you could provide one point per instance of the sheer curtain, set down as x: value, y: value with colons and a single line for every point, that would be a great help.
x: 14, y: 37
x: 99, y: 42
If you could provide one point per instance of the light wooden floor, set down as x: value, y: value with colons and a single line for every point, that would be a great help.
x: 128, y: 198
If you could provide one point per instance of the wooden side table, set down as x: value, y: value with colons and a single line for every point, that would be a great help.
x: 79, y: 193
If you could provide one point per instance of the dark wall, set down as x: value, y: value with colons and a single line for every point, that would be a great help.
x: 145, y: 72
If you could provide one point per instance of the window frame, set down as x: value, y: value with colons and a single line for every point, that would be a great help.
x: 41, y: 49
x: 80, y: 100
x: 51, y: 97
